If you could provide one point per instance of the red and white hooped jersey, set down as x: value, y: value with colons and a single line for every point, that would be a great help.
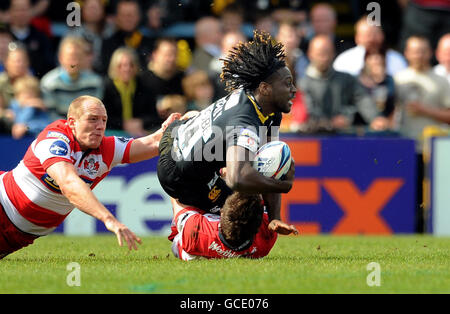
x: 31, y: 199
x: 195, y: 234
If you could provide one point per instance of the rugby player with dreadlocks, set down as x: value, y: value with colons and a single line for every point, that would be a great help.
x: 227, y: 134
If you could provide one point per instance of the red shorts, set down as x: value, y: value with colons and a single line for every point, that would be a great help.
x: 11, y: 238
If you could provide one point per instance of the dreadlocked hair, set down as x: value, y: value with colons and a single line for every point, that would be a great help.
x: 250, y: 63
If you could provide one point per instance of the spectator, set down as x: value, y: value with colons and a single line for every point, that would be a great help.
x: 88, y: 61
x: 232, y: 18
x: 163, y: 76
x: 38, y: 8
x: 289, y: 11
x: 5, y: 39
x: 30, y: 112
x: 70, y: 79
x: 295, y: 120
x: 163, y: 13
x: 323, y: 19
x: 16, y: 66
x: 265, y: 22
x: 155, y: 13
x: 378, y: 84
x: 371, y: 38
x: 443, y: 57
x: 296, y: 60
x: 38, y: 45
x: 208, y: 36
x: 6, y: 117
x: 332, y: 98
x: 131, y: 107
x: 229, y: 40
x: 94, y: 28
x: 423, y: 95
x: 127, y: 18
x: 430, y: 19
x: 199, y: 90
x: 424, y: 100
x: 171, y: 104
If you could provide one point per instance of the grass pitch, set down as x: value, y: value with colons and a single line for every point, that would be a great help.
x: 303, y: 264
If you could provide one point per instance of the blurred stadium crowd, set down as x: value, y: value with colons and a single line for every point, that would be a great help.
x: 146, y: 59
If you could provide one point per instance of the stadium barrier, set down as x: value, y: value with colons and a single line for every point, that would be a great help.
x: 352, y: 186
x: 438, y: 218
x: 342, y: 186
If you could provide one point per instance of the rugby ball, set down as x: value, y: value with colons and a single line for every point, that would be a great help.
x: 273, y: 159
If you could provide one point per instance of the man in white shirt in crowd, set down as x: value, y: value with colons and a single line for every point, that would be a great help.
x: 443, y: 57
x: 423, y: 100
x: 368, y: 37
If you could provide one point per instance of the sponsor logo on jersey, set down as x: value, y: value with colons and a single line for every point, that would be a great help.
x: 50, y: 183
x: 124, y: 139
x: 215, y: 209
x: 249, y: 140
x: 59, y: 148
x: 213, y: 181
x: 87, y: 181
x: 59, y: 135
x: 225, y: 253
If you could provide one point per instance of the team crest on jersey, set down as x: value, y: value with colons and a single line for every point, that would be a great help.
x: 59, y: 148
x: 214, y: 193
x: 91, y: 166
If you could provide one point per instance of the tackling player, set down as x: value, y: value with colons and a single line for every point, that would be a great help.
x: 229, y: 132
x: 59, y: 170
x: 241, y: 230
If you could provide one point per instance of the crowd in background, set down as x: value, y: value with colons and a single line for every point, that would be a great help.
x: 374, y: 80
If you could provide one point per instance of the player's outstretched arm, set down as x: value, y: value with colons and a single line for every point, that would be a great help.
x: 242, y: 177
x: 282, y: 228
x: 146, y: 147
x: 80, y: 195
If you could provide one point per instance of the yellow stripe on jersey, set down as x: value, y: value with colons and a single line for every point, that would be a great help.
x: 261, y: 116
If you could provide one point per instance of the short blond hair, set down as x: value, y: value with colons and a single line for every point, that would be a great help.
x: 172, y: 103
x: 76, y: 106
x: 75, y: 41
x: 26, y: 83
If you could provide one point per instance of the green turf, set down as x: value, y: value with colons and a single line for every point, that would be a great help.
x: 321, y: 264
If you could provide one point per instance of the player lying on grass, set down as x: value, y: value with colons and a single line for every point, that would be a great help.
x: 241, y: 230
x: 59, y: 170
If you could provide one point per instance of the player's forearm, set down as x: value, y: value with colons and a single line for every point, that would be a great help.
x: 81, y: 196
x: 272, y: 201
x: 146, y: 147
x: 244, y: 178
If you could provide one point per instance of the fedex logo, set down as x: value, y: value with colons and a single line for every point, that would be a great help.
x: 352, y: 186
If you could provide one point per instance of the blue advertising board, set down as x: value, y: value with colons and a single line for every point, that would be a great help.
x: 342, y: 186
x: 352, y: 186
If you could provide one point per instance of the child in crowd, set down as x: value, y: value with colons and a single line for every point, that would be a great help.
x: 31, y: 115
x: 170, y: 104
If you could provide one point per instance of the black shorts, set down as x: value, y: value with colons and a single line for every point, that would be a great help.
x: 206, y: 193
